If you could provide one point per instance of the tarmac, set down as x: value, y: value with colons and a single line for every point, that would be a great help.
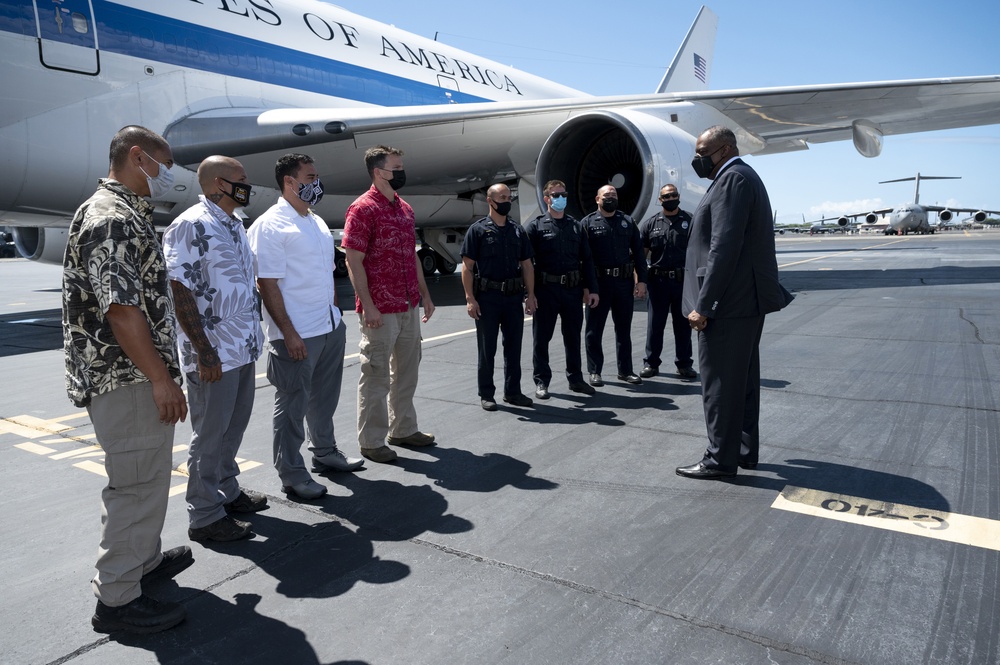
x: 869, y: 533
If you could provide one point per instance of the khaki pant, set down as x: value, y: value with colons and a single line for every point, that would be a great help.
x: 390, y: 358
x: 137, y: 457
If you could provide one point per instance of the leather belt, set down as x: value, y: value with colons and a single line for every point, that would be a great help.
x: 625, y: 270
x: 507, y: 287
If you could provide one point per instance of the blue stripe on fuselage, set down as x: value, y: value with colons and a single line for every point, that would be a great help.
x: 131, y: 32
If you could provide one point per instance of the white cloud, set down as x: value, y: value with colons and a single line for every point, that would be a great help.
x: 833, y: 208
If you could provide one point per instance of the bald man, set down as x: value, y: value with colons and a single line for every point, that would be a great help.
x: 212, y: 279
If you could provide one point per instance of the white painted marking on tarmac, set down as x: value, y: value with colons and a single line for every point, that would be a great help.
x: 72, y: 416
x: 833, y: 256
x: 34, y: 448
x: 912, y: 520
x: 89, y: 451
x: 93, y: 467
x: 7, y: 426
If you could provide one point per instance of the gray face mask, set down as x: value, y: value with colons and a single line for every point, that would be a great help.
x: 162, y: 183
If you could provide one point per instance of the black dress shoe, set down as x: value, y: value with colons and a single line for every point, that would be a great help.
x: 542, y: 391
x: 630, y: 378
x: 701, y: 472
x: 687, y: 373
x: 581, y: 387
x: 518, y: 400
x: 648, y: 372
x: 748, y: 465
x: 488, y: 404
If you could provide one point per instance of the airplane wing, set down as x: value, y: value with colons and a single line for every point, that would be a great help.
x: 481, y: 142
x: 971, y: 211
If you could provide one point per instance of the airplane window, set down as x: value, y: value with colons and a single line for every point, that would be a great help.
x: 80, y: 23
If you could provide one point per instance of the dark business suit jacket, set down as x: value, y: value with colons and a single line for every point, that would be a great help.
x: 731, y: 270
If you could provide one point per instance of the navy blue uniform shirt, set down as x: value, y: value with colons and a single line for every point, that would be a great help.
x: 497, y: 250
x: 614, y: 241
x: 561, y: 247
x: 666, y: 238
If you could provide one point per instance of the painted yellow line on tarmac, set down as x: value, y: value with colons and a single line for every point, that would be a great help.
x: 833, y: 256
x: 8, y: 426
x: 912, y: 520
x: 72, y: 416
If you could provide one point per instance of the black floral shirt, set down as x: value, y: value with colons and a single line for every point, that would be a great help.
x: 112, y: 258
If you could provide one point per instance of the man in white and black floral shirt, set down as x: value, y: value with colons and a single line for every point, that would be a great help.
x: 121, y: 364
x: 215, y: 293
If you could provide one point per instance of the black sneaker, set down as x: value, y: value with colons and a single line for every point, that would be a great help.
x: 248, y: 501
x: 174, y: 561
x: 222, y: 530
x: 142, y: 615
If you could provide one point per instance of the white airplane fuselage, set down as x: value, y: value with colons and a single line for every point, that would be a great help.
x: 909, y: 218
x: 74, y: 90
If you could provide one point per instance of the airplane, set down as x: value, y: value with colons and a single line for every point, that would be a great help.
x: 912, y: 217
x: 254, y: 79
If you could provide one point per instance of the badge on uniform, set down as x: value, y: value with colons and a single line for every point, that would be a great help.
x: 624, y: 224
x: 684, y: 225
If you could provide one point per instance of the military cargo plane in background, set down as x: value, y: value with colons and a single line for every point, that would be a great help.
x: 254, y: 79
x: 912, y: 217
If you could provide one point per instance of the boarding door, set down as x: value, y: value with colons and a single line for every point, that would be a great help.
x: 67, y: 35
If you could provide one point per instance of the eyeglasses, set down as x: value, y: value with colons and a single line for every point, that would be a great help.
x: 557, y: 195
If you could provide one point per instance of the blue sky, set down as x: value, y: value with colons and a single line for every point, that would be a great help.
x: 607, y: 48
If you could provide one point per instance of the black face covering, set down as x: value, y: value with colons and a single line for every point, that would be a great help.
x: 671, y: 204
x: 703, y: 165
x: 398, y: 179
x: 503, y: 208
x: 240, y: 192
x: 609, y: 205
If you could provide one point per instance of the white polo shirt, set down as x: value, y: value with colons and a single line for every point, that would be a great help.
x: 298, y: 251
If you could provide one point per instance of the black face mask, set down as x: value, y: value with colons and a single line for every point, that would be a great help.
x: 703, y: 165
x: 671, y: 204
x: 503, y: 207
x: 609, y: 205
x: 398, y: 179
x: 240, y: 192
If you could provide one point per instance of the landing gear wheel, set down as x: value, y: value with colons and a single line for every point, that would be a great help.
x: 339, y: 263
x: 444, y: 266
x: 428, y: 260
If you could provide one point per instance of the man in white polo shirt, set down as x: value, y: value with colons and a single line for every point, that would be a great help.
x: 294, y: 252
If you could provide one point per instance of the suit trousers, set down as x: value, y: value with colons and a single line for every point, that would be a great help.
x: 137, y: 457
x: 306, y: 390
x: 566, y: 303
x: 504, y: 315
x: 729, y: 360
x: 616, y: 297
x: 390, y: 360
x: 664, y: 297
x: 220, y: 413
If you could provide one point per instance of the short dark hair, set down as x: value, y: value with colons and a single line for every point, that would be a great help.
x: 720, y: 135
x: 133, y: 135
x: 289, y: 165
x: 551, y: 184
x: 375, y: 157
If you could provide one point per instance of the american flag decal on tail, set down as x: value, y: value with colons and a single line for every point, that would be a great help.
x: 700, y: 68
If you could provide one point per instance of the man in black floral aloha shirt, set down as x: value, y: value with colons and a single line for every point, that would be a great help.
x: 121, y: 364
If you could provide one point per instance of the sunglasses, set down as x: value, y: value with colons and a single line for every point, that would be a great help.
x: 667, y: 197
x: 557, y: 195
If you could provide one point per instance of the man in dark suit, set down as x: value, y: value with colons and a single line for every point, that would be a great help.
x: 731, y: 282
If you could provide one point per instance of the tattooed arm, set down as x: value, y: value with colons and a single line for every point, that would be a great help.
x: 209, y: 365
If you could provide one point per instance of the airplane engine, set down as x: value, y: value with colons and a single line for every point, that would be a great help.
x: 634, y: 151
x: 45, y: 244
x: 979, y: 217
x: 871, y: 218
x: 945, y: 215
x: 843, y: 221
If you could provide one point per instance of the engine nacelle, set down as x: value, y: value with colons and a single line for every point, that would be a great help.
x: 871, y: 218
x: 44, y: 244
x: 634, y: 151
x: 843, y: 221
x: 979, y: 217
x: 945, y: 215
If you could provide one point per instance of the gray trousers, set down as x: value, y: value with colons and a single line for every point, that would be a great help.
x: 137, y: 458
x: 305, y: 390
x: 220, y: 413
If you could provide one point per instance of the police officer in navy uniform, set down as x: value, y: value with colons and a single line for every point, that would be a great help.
x: 496, y: 273
x: 621, y: 276
x: 665, y: 238
x: 564, y: 275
